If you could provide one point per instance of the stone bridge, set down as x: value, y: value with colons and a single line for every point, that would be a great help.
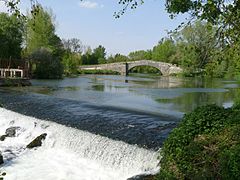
x: 123, y: 68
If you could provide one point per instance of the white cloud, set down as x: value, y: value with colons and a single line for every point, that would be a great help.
x: 90, y: 5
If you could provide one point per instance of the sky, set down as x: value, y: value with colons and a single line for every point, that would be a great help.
x: 92, y: 22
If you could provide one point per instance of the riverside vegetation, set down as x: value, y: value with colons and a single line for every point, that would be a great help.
x: 205, y: 145
x: 198, y: 48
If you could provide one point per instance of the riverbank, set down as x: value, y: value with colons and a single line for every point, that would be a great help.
x: 10, y: 82
x: 67, y: 153
x: 98, y: 71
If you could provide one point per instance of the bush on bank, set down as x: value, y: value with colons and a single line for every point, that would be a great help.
x: 205, y: 145
x: 106, y: 72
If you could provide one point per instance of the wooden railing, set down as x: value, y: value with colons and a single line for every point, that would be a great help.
x: 12, y: 73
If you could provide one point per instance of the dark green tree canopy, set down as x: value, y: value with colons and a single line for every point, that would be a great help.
x: 10, y: 36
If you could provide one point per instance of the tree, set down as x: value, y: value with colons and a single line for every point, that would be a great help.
x: 223, y: 13
x: 73, y: 45
x: 99, y: 54
x: 72, y: 55
x: 87, y: 58
x: 197, y: 45
x: 117, y: 58
x: 48, y: 66
x: 71, y: 62
x: 164, y: 50
x: 40, y: 34
x: 140, y: 55
x: 11, y: 35
x: 41, y: 31
x: 232, y: 60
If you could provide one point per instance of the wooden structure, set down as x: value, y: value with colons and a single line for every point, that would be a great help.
x: 11, y: 73
x: 14, y: 69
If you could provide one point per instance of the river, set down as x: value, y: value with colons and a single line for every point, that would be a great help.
x: 103, y: 119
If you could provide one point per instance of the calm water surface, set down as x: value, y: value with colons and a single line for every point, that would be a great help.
x: 139, y: 109
x: 145, y: 93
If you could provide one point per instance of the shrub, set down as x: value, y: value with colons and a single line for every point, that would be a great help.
x: 205, y: 145
x: 107, y: 72
x: 48, y: 66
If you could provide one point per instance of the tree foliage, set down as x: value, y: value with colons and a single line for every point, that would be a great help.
x: 72, y: 55
x: 73, y: 45
x: 98, y: 56
x: 41, y: 31
x: 11, y: 36
x: 117, y: 58
x: 140, y: 55
x: 164, y: 50
x: 42, y: 40
x: 48, y: 66
x: 196, y: 46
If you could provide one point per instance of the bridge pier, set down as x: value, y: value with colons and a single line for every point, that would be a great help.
x: 124, y: 73
x: 126, y: 70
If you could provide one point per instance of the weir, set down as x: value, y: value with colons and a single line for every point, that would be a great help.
x: 128, y: 160
x: 144, y: 129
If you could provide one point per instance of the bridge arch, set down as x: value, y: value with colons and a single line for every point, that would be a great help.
x: 162, y: 67
x: 144, y: 69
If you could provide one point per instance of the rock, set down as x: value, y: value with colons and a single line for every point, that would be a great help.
x: 12, y: 122
x: 44, y: 126
x: 2, y: 138
x: 37, y: 141
x: 142, y: 177
x: 9, y: 154
x: 11, y: 132
x: 1, y: 159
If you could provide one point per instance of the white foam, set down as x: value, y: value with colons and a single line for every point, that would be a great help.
x: 68, y: 153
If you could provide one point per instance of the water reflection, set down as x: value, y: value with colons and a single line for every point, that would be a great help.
x: 146, y: 93
x: 98, y: 87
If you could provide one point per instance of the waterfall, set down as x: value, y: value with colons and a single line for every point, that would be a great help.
x: 111, y: 155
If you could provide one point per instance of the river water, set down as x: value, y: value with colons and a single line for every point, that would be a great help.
x: 104, y: 121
